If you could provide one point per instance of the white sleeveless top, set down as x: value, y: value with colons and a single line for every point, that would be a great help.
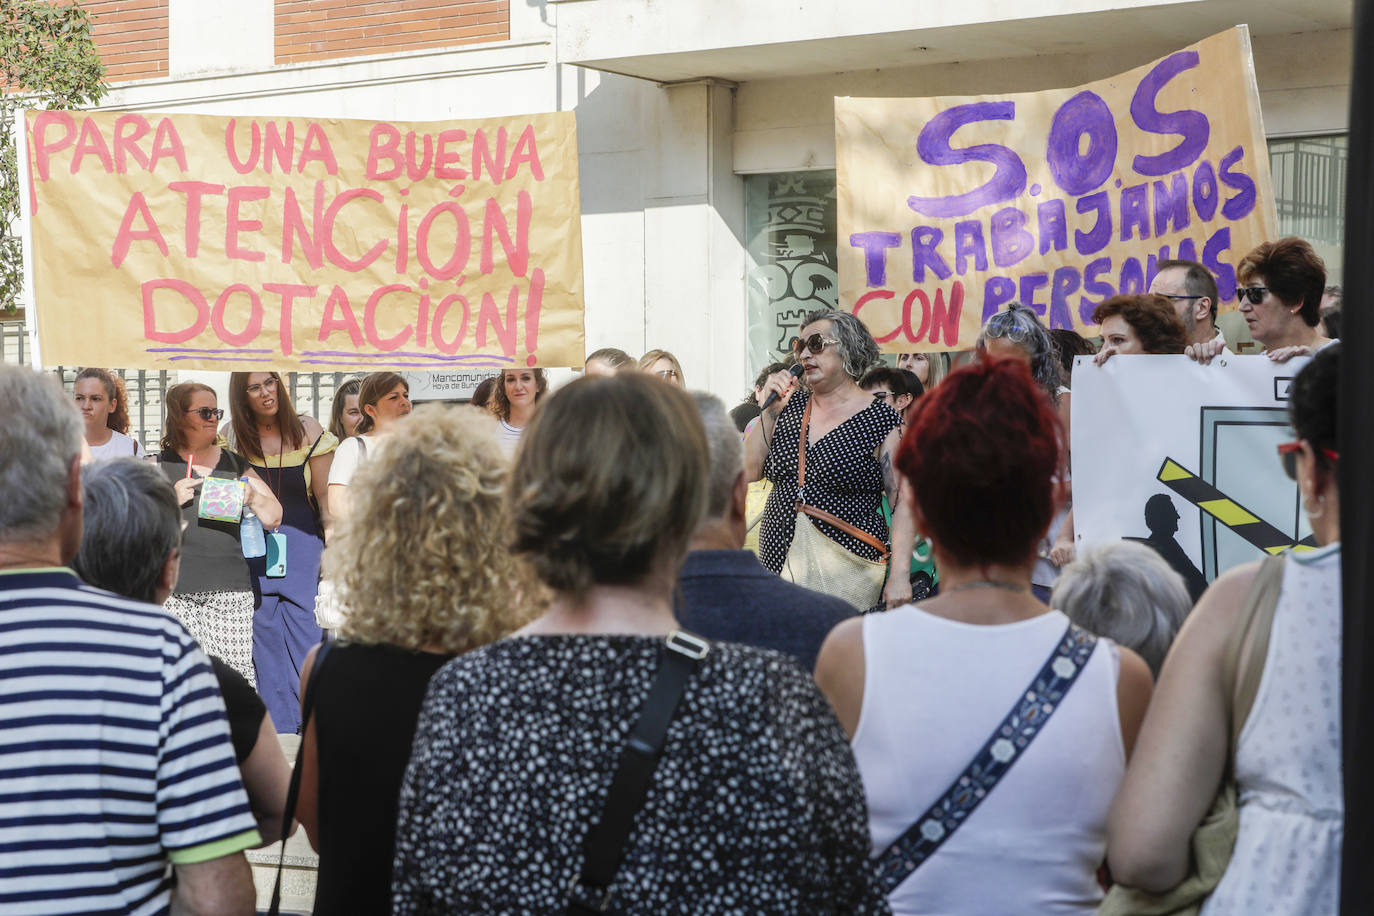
x: 1288, y: 759
x: 934, y: 690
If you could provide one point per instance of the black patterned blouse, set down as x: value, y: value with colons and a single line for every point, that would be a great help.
x: 755, y: 807
x: 842, y: 477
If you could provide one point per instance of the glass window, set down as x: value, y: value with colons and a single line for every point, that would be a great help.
x: 790, y: 223
x: 1309, y: 193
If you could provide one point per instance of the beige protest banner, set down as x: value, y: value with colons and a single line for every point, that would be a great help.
x: 188, y: 241
x: 949, y: 208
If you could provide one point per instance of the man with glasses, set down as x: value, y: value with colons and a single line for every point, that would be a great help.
x: 1193, y: 291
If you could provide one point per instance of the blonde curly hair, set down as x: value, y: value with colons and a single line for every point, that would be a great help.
x: 422, y: 556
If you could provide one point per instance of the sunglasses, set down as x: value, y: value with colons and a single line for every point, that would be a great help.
x: 208, y: 413
x: 1288, y: 455
x: 815, y: 343
x: 1254, y: 293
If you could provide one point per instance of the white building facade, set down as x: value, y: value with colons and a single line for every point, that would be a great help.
x: 705, y: 127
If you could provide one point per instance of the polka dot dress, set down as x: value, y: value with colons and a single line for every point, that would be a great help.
x: 842, y: 477
x: 755, y: 807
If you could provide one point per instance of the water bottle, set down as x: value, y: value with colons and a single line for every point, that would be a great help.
x: 251, y: 534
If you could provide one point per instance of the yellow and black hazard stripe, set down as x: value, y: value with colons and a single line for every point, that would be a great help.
x: 1226, y: 510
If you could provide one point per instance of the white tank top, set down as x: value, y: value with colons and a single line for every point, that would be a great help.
x: 934, y: 690
x: 1288, y: 759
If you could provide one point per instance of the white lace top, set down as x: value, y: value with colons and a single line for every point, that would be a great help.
x: 1288, y: 760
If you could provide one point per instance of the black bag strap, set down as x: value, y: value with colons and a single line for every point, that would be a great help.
x: 1008, y: 742
x: 604, y: 847
x: 293, y: 791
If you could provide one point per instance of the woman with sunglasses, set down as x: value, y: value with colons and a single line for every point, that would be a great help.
x: 513, y: 401
x: 836, y: 444
x: 292, y: 453
x: 1280, y: 296
x: 214, y: 593
x: 1287, y: 761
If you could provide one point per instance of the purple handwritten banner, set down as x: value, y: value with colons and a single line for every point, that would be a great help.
x: 955, y: 207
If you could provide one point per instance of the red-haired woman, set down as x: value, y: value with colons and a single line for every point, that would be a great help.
x: 924, y: 690
x: 292, y: 454
x: 105, y: 409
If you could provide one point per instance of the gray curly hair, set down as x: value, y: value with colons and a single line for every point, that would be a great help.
x: 858, y: 349
x: 1022, y: 327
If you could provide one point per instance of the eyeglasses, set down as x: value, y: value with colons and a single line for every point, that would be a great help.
x: 1288, y: 455
x: 667, y: 373
x: 815, y: 343
x: 1254, y: 293
x: 1174, y: 298
x: 208, y: 413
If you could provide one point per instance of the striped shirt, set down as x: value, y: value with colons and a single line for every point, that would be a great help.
x: 115, y: 759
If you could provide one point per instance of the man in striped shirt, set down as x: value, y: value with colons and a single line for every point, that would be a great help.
x: 118, y: 789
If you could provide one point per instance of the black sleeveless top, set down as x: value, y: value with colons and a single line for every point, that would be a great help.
x: 367, y: 700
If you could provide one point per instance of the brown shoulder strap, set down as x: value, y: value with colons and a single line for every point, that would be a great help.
x: 828, y: 518
x: 1249, y: 641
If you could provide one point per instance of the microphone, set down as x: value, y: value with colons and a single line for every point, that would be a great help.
x: 797, y: 371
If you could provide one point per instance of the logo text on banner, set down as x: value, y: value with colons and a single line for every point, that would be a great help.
x: 949, y: 208
x: 164, y: 241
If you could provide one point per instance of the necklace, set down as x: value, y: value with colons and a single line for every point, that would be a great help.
x: 985, y: 583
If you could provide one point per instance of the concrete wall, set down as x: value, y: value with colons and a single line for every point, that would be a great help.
x: 788, y: 124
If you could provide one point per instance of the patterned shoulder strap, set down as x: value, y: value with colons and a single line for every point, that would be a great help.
x: 1004, y: 747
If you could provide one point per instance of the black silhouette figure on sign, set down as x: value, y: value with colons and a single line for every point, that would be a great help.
x: 1162, y: 519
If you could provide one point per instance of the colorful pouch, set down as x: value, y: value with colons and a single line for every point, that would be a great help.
x: 221, y: 499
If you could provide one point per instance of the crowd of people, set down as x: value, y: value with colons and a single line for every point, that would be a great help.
x: 536, y: 667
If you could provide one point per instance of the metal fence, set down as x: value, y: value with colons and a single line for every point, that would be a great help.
x: 144, y: 390
x: 311, y: 392
x: 1309, y: 187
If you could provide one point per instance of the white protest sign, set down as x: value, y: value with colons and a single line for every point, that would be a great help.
x: 1184, y: 457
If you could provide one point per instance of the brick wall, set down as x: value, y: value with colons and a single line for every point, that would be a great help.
x: 321, y: 29
x: 131, y: 36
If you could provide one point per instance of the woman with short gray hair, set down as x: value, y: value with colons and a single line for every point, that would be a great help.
x: 829, y: 450
x: 131, y: 545
x: 1128, y: 593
